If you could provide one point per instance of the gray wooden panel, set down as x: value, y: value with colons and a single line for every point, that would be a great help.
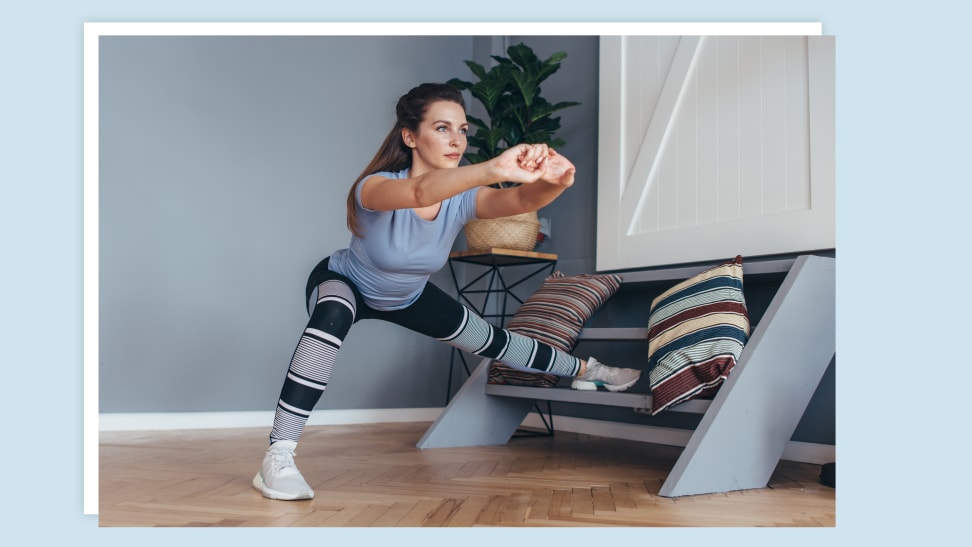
x: 741, y: 438
x: 751, y: 267
x: 634, y: 401
x: 473, y: 418
x: 618, y: 333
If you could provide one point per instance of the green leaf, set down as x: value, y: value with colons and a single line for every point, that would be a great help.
x: 488, y: 93
x: 476, y: 122
x: 550, y: 66
x: 501, y: 60
x: 459, y: 84
x: 543, y: 109
x: 527, y: 87
x: 549, y: 125
x: 476, y: 157
x: 477, y: 69
x: 496, y: 136
x: 522, y: 55
x: 511, y: 130
x: 478, y: 140
x: 522, y: 121
x: 565, y: 104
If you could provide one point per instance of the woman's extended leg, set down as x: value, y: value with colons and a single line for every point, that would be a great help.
x: 307, y: 377
x: 440, y: 316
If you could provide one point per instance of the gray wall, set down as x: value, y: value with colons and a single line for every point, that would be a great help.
x: 224, y: 167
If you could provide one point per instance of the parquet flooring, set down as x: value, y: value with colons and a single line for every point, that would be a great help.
x: 372, y: 475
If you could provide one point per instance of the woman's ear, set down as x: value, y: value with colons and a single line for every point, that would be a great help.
x: 408, y: 137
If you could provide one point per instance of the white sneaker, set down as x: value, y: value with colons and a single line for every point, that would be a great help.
x: 279, y: 478
x: 610, y: 378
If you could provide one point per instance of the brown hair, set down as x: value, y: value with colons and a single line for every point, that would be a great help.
x: 393, y: 155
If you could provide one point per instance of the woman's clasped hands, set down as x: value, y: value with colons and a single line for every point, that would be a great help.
x: 528, y: 163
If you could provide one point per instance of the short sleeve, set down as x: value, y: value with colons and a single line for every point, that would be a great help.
x: 467, y: 205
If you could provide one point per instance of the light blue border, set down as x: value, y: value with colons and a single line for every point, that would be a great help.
x: 903, y: 118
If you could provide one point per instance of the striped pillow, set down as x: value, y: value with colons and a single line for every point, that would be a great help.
x: 556, y: 313
x: 696, y: 333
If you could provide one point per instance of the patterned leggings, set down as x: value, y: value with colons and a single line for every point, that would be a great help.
x: 335, y: 304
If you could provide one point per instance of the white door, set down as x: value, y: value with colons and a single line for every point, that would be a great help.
x: 711, y: 147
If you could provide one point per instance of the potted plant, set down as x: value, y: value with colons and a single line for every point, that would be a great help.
x: 511, y: 95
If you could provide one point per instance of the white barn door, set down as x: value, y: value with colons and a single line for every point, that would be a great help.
x: 711, y: 147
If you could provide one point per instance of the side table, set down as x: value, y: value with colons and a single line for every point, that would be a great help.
x: 504, y: 270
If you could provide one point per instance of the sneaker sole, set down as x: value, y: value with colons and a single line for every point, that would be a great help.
x: 276, y: 494
x: 622, y: 387
x: 585, y: 385
x: 592, y: 385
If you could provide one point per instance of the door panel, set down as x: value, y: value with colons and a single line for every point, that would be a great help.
x: 707, y: 147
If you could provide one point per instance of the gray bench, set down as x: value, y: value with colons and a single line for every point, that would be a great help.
x: 744, y: 428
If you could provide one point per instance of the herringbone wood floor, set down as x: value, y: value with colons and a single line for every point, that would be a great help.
x: 373, y: 476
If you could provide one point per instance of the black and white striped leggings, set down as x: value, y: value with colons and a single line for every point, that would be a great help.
x: 334, y: 304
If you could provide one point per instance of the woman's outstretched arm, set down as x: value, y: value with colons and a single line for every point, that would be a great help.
x: 522, y: 163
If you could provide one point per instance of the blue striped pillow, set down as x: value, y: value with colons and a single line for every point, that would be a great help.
x: 696, y: 333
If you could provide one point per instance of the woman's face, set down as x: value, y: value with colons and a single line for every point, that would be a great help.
x: 440, y: 140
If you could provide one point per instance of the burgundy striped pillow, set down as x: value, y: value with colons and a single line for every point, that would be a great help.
x: 556, y: 313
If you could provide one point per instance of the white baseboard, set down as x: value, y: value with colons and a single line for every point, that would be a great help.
x: 221, y: 420
x: 794, y: 451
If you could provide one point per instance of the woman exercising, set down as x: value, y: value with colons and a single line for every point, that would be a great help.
x: 404, y: 212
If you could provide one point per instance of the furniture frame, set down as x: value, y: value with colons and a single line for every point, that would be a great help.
x: 501, y: 284
x: 744, y: 428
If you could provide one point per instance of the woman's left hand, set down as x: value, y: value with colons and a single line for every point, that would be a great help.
x: 523, y: 163
x: 549, y: 172
x: 558, y: 169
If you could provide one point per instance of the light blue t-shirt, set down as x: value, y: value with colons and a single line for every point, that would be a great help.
x: 398, y: 250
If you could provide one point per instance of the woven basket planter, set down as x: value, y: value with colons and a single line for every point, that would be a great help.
x: 518, y: 232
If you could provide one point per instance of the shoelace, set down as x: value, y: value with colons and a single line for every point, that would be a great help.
x: 602, y: 373
x: 594, y: 372
x: 281, y: 460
